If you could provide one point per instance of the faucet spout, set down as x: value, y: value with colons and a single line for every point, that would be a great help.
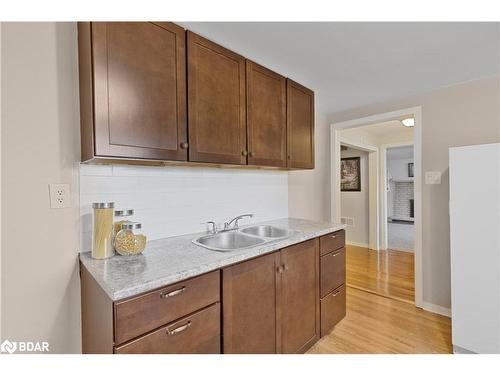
x: 227, y: 226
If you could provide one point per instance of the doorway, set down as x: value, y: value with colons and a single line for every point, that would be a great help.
x: 399, y: 194
x: 390, y: 267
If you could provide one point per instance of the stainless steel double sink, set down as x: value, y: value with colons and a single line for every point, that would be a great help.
x: 243, y: 238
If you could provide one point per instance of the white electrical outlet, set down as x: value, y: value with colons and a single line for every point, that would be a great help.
x: 59, y: 195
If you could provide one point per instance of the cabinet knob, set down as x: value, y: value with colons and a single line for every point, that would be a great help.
x: 244, y: 153
x: 250, y: 154
x: 184, y: 145
x: 289, y: 156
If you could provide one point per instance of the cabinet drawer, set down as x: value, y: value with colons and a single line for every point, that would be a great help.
x: 136, y: 316
x: 332, y: 271
x: 198, y: 333
x: 331, y: 242
x: 333, y: 308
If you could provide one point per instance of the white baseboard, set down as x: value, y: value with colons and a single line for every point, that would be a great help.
x: 437, y: 309
x: 358, y: 244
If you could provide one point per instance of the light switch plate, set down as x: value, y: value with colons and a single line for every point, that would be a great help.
x: 59, y: 195
x: 433, y: 178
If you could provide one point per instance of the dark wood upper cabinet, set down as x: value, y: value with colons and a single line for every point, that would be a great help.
x: 151, y: 92
x: 266, y: 116
x: 300, y: 126
x: 133, y: 90
x: 216, y: 103
x: 299, y: 309
x: 249, y: 309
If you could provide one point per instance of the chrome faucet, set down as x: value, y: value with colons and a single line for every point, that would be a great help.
x: 214, y: 227
x: 227, y: 226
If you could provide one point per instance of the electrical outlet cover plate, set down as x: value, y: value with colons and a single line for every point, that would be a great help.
x: 59, y: 195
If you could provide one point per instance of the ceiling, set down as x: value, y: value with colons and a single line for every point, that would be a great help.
x: 353, y: 64
x: 388, y: 128
x: 397, y: 153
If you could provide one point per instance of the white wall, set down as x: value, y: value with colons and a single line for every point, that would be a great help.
x: 0, y: 181
x: 475, y: 245
x: 171, y: 201
x: 398, y: 168
x: 40, y: 145
x: 355, y: 204
x: 462, y: 114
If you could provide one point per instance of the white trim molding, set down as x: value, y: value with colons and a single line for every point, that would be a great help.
x: 335, y: 141
x: 437, y: 309
x: 358, y: 244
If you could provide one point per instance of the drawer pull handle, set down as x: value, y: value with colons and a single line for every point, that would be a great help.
x: 334, y: 236
x: 178, y: 329
x: 172, y: 293
x: 335, y: 254
x: 335, y: 294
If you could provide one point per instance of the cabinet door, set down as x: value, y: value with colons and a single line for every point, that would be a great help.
x: 139, y: 90
x: 298, y: 309
x: 216, y: 103
x: 249, y: 306
x: 266, y: 116
x: 300, y: 126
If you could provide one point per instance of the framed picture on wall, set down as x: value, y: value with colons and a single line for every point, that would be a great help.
x: 410, y: 170
x: 350, y: 174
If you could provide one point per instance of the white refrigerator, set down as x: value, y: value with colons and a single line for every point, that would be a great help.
x: 475, y: 248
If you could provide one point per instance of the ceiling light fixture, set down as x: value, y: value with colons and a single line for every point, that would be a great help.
x: 408, y: 122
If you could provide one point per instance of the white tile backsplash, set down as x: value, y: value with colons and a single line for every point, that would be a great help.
x: 171, y: 201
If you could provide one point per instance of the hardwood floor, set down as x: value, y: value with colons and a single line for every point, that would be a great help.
x: 388, y: 272
x: 376, y: 324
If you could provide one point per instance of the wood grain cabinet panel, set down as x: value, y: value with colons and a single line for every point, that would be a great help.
x: 300, y: 126
x: 216, y: 103
x: 333, y: 309
x: 331, y: 242
x: 136, y: 73
x: 332, y: 267
x: 249, y: 300
x: 198, y: 333
x: 266, y: 116
x: 138, y: 315
x: 299, y: 310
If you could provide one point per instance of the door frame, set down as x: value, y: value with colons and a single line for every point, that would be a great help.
x: 384, y: 236
x: 335, y: 140
x: 373, y: 191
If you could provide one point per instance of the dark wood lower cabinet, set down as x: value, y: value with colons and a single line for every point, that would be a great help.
x: 332, y: 285
x: 249, y: 307
x: 333, y: 309
x: 299, y: 312
x: 269, y: 304
x: 332, y: 271
x: 198, y: 333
